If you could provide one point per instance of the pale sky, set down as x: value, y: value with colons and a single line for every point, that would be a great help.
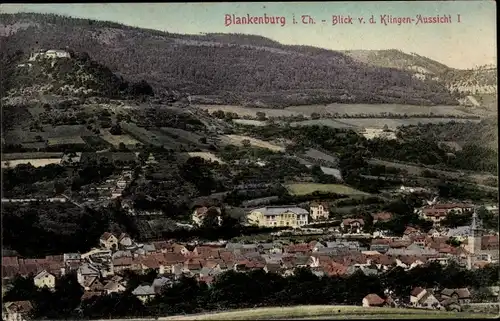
x: 466, y: 44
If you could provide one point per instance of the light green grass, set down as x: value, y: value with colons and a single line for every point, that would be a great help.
x: 327, y: 312
x: 309, y: 188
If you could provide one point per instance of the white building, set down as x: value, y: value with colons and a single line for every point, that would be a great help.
x: 319, y: 210
x: 45, y: 279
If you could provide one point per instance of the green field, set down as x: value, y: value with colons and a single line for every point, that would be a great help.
x: 327, y: 312
x: 309, y: 188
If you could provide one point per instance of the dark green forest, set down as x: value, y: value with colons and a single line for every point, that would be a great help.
x: 203, y: 65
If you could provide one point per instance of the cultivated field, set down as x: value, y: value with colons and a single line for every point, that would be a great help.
x: 237, y: 140
x: 327, y: 312
x: 35, y: 155
x: 205, y: 155
x: 36, y: 162
x: 182, y: 134
x: 66, y: 131
x: 377, y: 109
x: 415, y: 170
x: 376, y: 122
x: 349, y: 109
x: 319, y: 155
x: 115, y: 140
x: 249, y: 122
x: 309, y: 188
x: 69, y: 140
x: 333, y: 123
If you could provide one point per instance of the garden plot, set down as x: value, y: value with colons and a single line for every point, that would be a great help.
x: 115, y: 140
x: 238, y: 141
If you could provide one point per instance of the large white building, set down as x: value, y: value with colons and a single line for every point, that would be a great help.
x: 50, y: 54
x: 275, y: 216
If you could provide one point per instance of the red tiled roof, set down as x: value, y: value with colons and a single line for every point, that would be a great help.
x: 416, y: 291
x: 410, y: 230
x: 381, y: 241
x: 335, y: 269
x: 489, y: 242
x: 297, y: 248
x: 90, y: 294
x: 122, y: 261
x: 452, y: 206
x: 374, y: 299
x: 314, y: 204
x: 105, y: 236
x: 163, y: 245
x: 349, y: 221
x: 10, y: 260
x: 382, y: 216
x: 382, y: 259
x: 172, y: 258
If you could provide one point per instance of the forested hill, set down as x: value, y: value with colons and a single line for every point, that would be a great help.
x: 237, y: 69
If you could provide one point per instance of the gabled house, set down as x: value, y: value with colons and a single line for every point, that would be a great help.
x: 144, y: 292
x: 315, y: 246
x: 421, y: 297
x: 381, y: 217
x: 86, y: 272
x: 373, y: 300
x: 125, y: 241
x: 160, y: 283
x: 45, y: 279
x: 352, y: 225
x: 108, y: 241
x: 319, y: 210
x: 114, y: 287
x: 200, y: 213
x: 461, y: 295
x: 17, y: 310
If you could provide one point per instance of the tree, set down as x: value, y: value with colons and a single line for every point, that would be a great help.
x: 115, y: 130
x: 315, y: 116
x: 245, y: 143
x: 261, y: 115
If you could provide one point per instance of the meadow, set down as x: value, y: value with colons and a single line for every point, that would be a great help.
x: 327, y: 312
x: 309, y: 188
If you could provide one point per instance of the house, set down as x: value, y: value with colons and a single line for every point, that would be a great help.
x: 381, y: 217
x: 144, y: 292
x: 108, y: 241
x: 315, y: 246
x: 45, y: 279
x: 114, y: 287
x: 17, y: 310
x: 161, y: 283
x: 462, y: 296
x: 438, y: 212
x: 420, y: 297
x: 86, y: 272
x: 124, y: 240
x: 200, y: 213
x: 272, y: 216
x: 352, y: 225
x: 381, y: 248
x: 319, y: 210
x: 55, y: 53
x: 373, y: 300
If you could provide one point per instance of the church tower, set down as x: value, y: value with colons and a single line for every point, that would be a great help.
x: 476, y: 234
x: 474, y: 240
